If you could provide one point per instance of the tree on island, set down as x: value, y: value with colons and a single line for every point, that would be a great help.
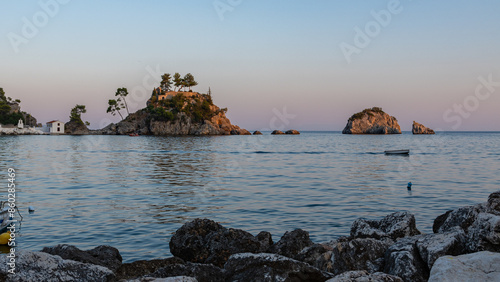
x: 122, y: 92
x: 76, y: 114
x: 166, y: 82
x: 189, y: 81
x: 114, y: 107
x: 178, y: 81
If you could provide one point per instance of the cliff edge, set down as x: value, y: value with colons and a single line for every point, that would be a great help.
x: 372, y: 121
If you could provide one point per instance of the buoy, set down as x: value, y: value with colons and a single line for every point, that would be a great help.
x: 409, y: 185
x: 4, y: 238
x: 31, y: 209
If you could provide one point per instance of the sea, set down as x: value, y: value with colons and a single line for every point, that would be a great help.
x: 133, y: 193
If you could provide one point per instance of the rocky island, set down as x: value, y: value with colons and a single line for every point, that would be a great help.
x: 372, y: 121
x: 418, y: 128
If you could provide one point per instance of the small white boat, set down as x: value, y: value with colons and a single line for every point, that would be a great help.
x: 397, y: 152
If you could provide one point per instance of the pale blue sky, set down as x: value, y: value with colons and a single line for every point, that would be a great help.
x: 262, y: 55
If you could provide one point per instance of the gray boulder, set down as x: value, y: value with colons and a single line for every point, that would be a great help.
x: 202, y: 272
x: 40, y: 266
x: 270, y: 267
x: 142, y: 268
x: 359, y: 254
x: 462, y: 217
x: 317, y: 255
x: 266, y: 241
x: 481, y: 266
x: 106, y: 256
x: 169, y: 279
x: 365, y: 276
x: 206, y: 241
x: 433, y: 246
x: 291, y: 243
x: 393, y: 226
x: 484, y: 233
x: 403, y: 260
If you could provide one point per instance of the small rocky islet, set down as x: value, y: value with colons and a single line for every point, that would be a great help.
x: 464, y: 246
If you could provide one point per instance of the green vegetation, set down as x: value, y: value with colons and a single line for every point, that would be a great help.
x: 76, y: 114
x: 115, y: 105
x: 369, y: 112
x: 7, y: 115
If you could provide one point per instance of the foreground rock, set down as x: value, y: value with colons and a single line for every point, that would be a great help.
x: 142, y: 268
x: 39, y: 266
x: 418, y: 128
x: 201, y: 272
x: 102, y: 255
x: 364, y: 276
x: 292, y: 243
x: 205, y: 241
x: 481, y: 266
x: 394, y: 226
x: 271, y: 267
x: 372, y: 121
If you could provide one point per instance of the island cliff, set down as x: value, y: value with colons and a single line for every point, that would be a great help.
x: 176, y: 113
x: 421, y: 129
x: 372, y: 121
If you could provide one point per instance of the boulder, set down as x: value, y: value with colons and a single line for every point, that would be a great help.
x: 364, y: 276
x: 40, y: 266
x: 403, y: 260
x: 291, y: 243
x: 359, y: 254
x: 270, y: 267
x: 205, y: 241
x: 372, y: 121
x: 142, y: 268
x: 257, y: 132
x: 266, y: 241
x: 277, y: 132
x: 463, y: 217
x: 484, y: 234
x: 493, y: 204
x: 106, y: 256
x: 393, y: 226
x: 292, y: 131
x: 418, y: 128
x: 433, y: 246
x: 481, y: 266
x: 75, y: 128
x: 202, y: 272
x: 317, y: 255
x: 169, y: 279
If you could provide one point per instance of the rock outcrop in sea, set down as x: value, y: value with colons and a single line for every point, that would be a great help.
x: 418, y: 128
x: 176, y: 113
x: 465, y: 246
x: 372, y: 121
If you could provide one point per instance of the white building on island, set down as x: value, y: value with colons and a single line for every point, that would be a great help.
x: 54, y: 127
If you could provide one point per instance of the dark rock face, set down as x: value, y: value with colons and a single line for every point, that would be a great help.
x: 493, y: 204
x: 372, y: 121
x: 205, y: 241
x: 277, y: 132
x: 418, y: 128
x: 292, y: 243
x: 403, y: 260
x: 257, y: 132
x: 463, y: 217
x: 484, y: 234
x: 141, y: 268
x: 393, y: 226
x: 75, y: 128
x: 292, y: 131
x: 317, y: 255
x: 433, y: 246
x: 202, y: 272
x: 270, y: 267
x: 266, y: 241
x: 365, y: 276
x: 359, y: 254
x: 102, y: 255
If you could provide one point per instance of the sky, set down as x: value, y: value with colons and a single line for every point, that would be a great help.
x: 306, y: 65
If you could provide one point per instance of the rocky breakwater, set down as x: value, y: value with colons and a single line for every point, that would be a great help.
x: 372, y: 121
x: 418, y: 128
x: 465, y: 246
x: 179, y: 113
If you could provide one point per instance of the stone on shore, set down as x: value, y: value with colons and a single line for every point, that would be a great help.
x: 202, y: 272
x: 277, y: 132
x: 205, y: 241
x: 106, y: 256
x: 418, y: 128
x: 257, y: 132
x: 169, y: 279
x: 433, y: 246
x: 403, y: 260
x: 292, y: 131
x: 271, y: 267
x: 291, y: 243
x: 317, y: 255
x: 393, y: 226
x: 142, y: 268
x: 40, y: 266
x: 364, y: 276
x: 481, y: 266
x: 372, y: 121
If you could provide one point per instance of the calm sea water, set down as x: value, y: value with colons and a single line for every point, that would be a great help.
x: 133, y: 193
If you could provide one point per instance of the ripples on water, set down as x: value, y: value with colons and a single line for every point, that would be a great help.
x: 133, y: 193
